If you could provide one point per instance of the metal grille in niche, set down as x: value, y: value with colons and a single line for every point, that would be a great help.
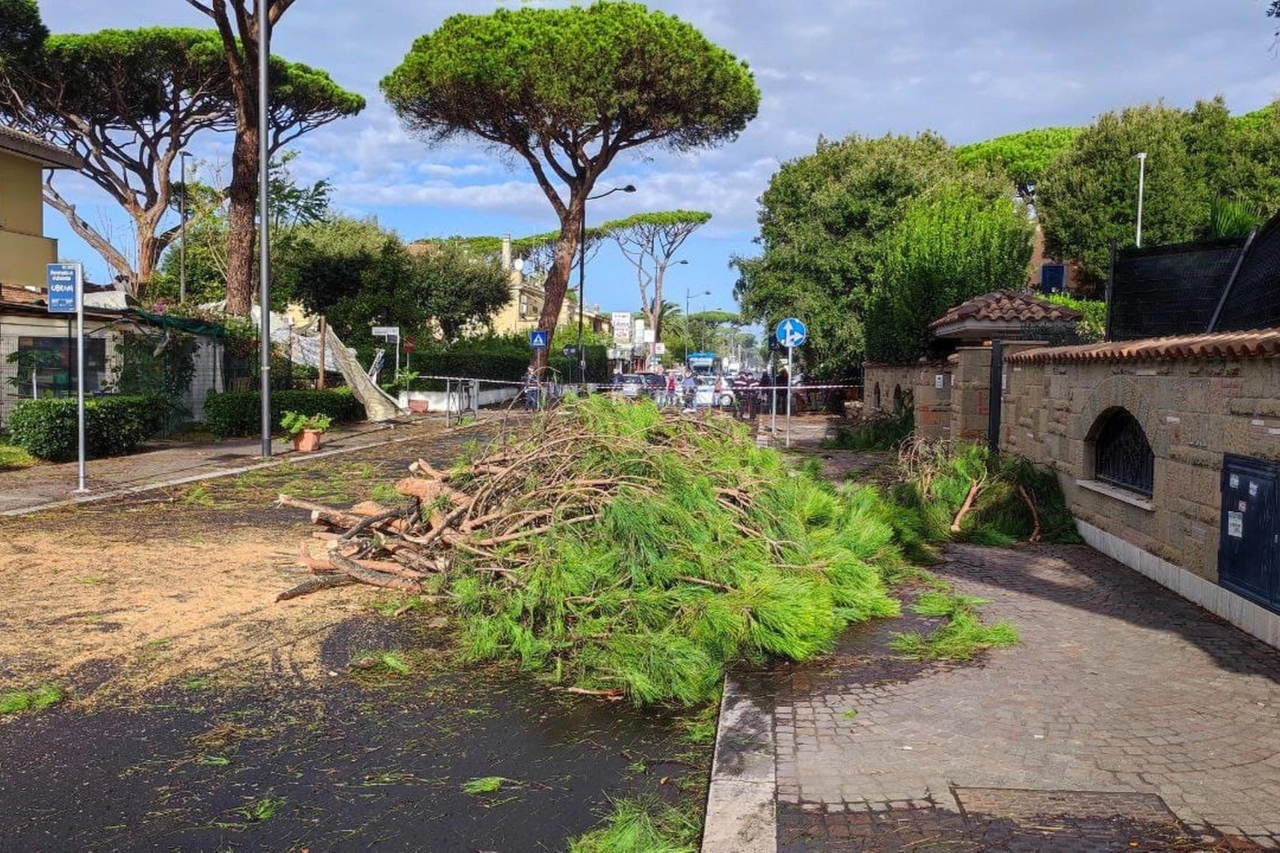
x: 1123, y: 455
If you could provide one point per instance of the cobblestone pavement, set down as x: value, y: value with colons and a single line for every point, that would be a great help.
x: 1125, y: 719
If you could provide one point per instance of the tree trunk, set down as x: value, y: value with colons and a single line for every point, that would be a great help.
x: 557, y: 282
x: 243, y: 198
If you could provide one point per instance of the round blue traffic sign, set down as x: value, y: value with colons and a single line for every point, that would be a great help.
x: 791, y: 333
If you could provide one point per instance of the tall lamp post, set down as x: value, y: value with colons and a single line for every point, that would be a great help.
x: 688, y: 294
x: 182, y: 247
x: 582, y: 274
x: 1142, y: 174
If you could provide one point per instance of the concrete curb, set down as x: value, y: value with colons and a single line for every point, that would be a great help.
x: 741, y: 801
x: 207, y: 475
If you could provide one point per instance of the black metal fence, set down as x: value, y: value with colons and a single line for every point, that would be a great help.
x: 1195, y: 288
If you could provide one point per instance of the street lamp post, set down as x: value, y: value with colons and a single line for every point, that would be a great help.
x: 182, y: 248
x: 687, y: 295
x: 582, y: 274
x: 1142, y: 174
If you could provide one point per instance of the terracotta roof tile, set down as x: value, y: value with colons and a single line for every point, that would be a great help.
x: 16, y: 294
x: 1258, y: 343
x: 1006, y: 305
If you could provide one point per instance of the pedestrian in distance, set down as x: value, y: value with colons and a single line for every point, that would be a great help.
x: 690, y: 388
x: 531, y: 389
x: 670, y: 398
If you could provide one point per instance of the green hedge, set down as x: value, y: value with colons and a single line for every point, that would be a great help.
x: 508, y: 366
x: 113, y: 426
x: 240, y: 412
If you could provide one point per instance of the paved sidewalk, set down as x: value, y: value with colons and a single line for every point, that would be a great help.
x: 47, y: 486
x: 1126, y: 719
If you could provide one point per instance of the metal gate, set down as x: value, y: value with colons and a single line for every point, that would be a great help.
x: 1249, y: 553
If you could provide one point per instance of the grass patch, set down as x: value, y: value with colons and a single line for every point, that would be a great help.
x: 30, y: 701
x: 642, y: 825
x: 960, y: 637
x: 13, y: 457
x: 381, y: 663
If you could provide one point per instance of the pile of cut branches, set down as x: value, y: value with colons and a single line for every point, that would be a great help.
x: 625, y: 552
x: 960, y: 491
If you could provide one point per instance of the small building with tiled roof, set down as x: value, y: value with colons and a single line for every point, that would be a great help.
x: 1001, y: 314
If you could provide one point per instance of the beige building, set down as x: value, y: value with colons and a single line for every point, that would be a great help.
x: 24, y: 250
x: 521, y: 314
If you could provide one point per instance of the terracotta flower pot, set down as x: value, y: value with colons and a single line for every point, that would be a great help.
x: 307, y: 441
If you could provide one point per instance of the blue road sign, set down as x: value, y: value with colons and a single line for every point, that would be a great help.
x: 62, y: 282
x: 538, y: 339
x: 791, y: 333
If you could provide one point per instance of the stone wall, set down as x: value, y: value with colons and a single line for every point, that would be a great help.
x: 926, y: 386
x: 1192, y: 410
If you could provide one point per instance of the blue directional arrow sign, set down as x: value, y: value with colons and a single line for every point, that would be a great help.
x: 538, y: 339
x: 791, y: 333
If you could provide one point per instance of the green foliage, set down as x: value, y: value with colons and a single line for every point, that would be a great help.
x: 823, y: 220
x: 30, y: 701
x: 883, y: 431
x: 485, y: 785
x: 667, y: 584
x: 1229, y: 218
x: 1092, y: 326
x: 1024, y: 156
x: 295, y: 422
x: 959, y: 638
x: 570, y: 74
x: 1089, y: 194
x: 502, y: 358
x: 935, y: 481
x: 642, y: 825
x: 951, y: 244
x: 229, y: 413
x: 114, y: 426
x: 161, y: 366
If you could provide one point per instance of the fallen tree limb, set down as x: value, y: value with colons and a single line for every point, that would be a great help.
x: 315, y: 585
x: 354, y: 570
x: 1035, y: 516
x: 968, y: 505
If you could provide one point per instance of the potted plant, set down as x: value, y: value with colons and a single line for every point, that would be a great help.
x: 305, y: 430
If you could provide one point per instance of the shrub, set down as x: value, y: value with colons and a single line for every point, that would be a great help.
x: 240, y: 412
x: 113, y: 426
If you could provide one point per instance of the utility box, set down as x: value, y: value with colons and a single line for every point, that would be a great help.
x: 1249, y: 549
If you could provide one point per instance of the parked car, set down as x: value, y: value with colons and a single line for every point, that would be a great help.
x: 630, y: 385
x: 655, y: 384
x: 707, y: 392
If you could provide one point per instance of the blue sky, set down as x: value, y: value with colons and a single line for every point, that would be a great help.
x: 830, y: 68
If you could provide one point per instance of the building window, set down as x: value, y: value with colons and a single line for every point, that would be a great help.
x: 54, y: 362
x: 1122, y: 455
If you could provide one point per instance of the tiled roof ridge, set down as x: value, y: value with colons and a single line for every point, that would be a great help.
x: 1007, y: 305
x: 1256, y: 343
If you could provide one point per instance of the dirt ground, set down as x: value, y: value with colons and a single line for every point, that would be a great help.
x: 129, y: 595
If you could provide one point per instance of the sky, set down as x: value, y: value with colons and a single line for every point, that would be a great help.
x: 826, y: 68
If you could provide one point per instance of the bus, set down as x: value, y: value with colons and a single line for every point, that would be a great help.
x: 703, y: 363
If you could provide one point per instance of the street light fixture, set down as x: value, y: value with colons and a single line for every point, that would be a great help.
x: 1142, y: 174
x: 687, y: 295
x: 182, y: 248
x: 582, y: 273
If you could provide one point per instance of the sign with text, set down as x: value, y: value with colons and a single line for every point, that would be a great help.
x: 385, y: 332
x: 63, y: 282
x: 621, y: 322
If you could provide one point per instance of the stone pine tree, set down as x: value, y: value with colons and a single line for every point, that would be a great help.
x: 307, y: 100
x: 568, y: 90
x: 650, y: 242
